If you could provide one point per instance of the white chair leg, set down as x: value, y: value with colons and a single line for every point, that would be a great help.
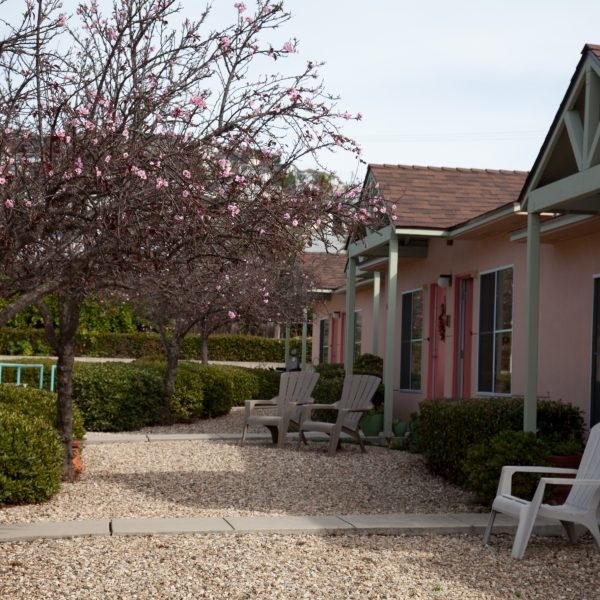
x: 524, y: 529
x: 571, y: 530
x: 488, y: 529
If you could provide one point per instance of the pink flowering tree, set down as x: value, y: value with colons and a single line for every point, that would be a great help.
x: 131, y: 146
x: 208, y: 296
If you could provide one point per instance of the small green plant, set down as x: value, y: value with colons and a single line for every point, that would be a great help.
x: 31, y: 456
x: 484, y: 463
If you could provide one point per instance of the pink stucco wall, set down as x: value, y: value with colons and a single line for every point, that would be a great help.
x: 568, y: 269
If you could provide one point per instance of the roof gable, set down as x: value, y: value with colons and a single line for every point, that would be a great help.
x: 440, y: 197
x: 566, y: 173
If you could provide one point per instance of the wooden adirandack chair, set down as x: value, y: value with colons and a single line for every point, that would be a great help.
x: 295, y: 389
x: 357, y: 394
x: 580, y: 506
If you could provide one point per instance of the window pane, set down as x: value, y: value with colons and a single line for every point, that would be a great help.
x: 487, y: 303
x: 504, y: 299
x: 503, y: 366
x: 417, y: 315
x: 486, y: 362
x: 415, y: 370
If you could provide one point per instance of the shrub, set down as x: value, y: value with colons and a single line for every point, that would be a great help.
x: 118, y: 396
x: 38, y: 403
x: 218, y: 385
x: 447, y: 428
x: 31, y: 456
x: 484, y: 462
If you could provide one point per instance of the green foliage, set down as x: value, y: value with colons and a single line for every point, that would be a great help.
x: 560, y: 427
x: 267, y: 381
x: 219, y: 390
x: 483, y: 464
x: 97, y: 316
x: 141, y: 344
x: 31, y: 456
x: 369, y: 364
x: 330, y: 370
x: 447, y: 428
x: 38, y: 403
x: 118, y: 396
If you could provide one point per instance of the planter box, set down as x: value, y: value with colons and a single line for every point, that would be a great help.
x: 372, y: 425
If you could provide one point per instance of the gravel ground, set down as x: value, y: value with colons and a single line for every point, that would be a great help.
x: 210, y: 478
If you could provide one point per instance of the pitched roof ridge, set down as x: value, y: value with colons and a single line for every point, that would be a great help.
x: 449, y: 169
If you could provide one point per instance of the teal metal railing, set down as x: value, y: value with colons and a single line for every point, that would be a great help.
x: 20, y: 367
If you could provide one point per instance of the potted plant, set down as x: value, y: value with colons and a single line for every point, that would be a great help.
x: 399, y: 428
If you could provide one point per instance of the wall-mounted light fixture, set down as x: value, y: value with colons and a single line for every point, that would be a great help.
x: 444, y: 281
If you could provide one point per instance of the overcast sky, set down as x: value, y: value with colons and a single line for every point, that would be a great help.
x: 457, y: 83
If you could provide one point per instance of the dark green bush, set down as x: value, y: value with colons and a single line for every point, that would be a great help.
x: 38, y: 403
x: 118, y: 396
x: 484, y: 462
x: 132, y: 344
x: 31, y: 456
x: 447, y: 428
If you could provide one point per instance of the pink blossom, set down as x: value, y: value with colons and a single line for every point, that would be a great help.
x: 28, y: 203
x: 225, y: 167
x: 9, y: 203
x: 289, y: 47
x: 186, y: 173
x: 225, y: 42
x: 198, y: 101
x: 126, y: 133
x: 107, y: 158
x: 185, y: 194
x: 62, y: 20
x: 161, y: 182
x: 240, y: 6
x: 2, y: 180
x: 60, y: 134
x: 233, y: 209
x: 231, y: 314
x: 347, y: 115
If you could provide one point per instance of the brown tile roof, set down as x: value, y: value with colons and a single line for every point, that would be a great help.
x: 440, y: 197
x: 326, y: 270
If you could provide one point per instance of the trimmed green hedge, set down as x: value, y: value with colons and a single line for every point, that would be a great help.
x: 447, y: 428
x: 484, y: 461
x: 29, y: 342
x: 31, y: 456
x: 127, y: 396
x: 38, y: 403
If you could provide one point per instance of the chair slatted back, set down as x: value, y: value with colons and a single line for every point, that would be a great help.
x: 581, y: 496
x: 295, y: 386
x: 357, y: 393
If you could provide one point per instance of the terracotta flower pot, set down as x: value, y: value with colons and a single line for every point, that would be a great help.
x: 77, y: 446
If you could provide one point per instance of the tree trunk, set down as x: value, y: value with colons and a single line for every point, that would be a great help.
x: 204, y: 344
x: 69, y: 311
x: 173, y: 350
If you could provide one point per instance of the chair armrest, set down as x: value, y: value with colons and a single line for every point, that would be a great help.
x: 250, y: 405
x: 505, y: 483
x: 309, y: 407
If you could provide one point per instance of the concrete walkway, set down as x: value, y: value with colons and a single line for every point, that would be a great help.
x: 390, y: 524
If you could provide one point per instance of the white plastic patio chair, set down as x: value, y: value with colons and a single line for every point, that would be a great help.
x: 295, y: 389
x: 357, y: 393
x: 580, y: 506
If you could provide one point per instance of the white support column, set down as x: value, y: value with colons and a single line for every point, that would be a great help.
x: 304, y: 336
x: 376, y: 312
x: 349, y: 328
x: 389, y: 360
x: 532, y: 308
